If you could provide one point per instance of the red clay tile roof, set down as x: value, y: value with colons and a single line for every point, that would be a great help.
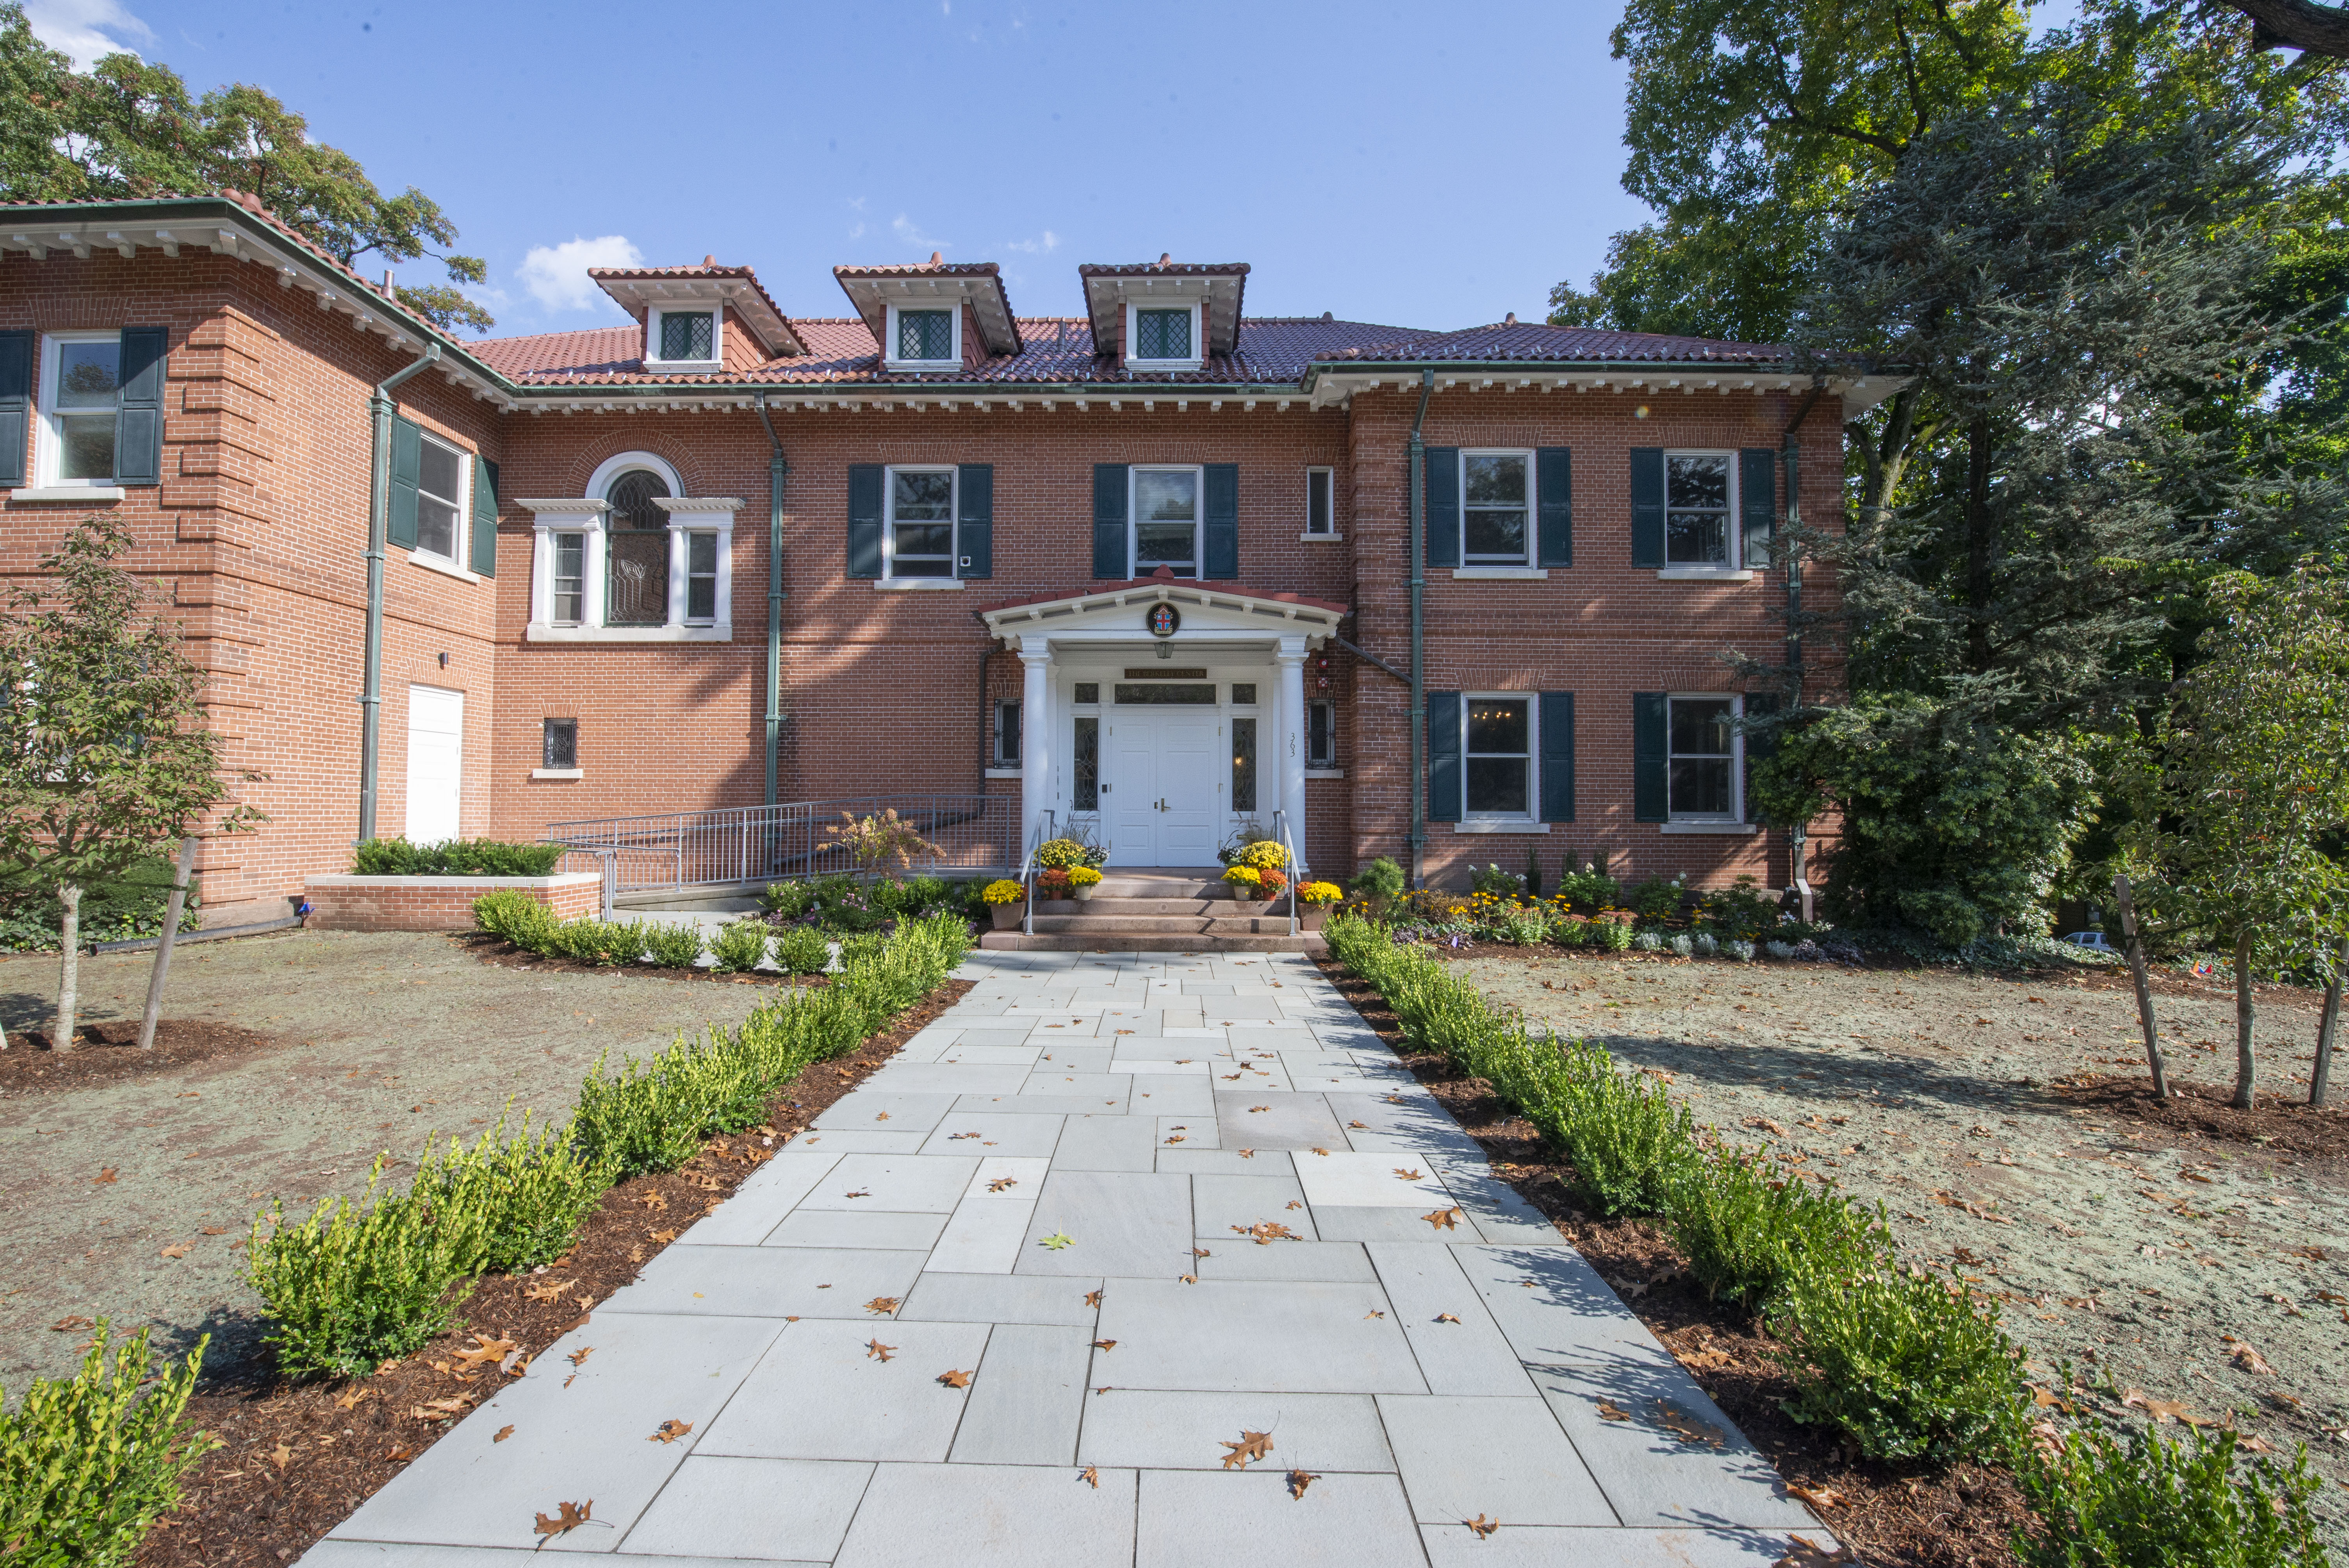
x: 1533, y: 341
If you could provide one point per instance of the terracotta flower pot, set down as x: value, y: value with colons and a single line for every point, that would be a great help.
x: 1007, y: 915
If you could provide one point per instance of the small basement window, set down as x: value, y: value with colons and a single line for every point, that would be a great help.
x: 559, y: 743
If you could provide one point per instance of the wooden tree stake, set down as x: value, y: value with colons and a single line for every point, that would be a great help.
x: 2327, y: 1027
x: 2144, y: 989
x: 172, y: 908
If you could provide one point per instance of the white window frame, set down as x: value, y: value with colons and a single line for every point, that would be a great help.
x: 459, y: 536
x: 889, y: 521
x: 48, y: 441
x: 590, y: 518
x: 1530, y: 818
x: 1526, y: 558
x: 657, y: 313
x: 889, y: 360
x: 1134, y: 309
x: 1735, y: 817
x: 1198, y: 514
x: 1309, y: 536
x: 1732, y: 533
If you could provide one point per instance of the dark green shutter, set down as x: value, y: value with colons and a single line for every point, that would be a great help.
x: 975, y: 530
x: 1443, y: 506
x: 1652, y: 795
x: 1444, y: 783
x: 1759, y: 744
x: 864, y: 519
x: 139, y: 428
x: 16, y: 404
x: 1757, y: 504
x: 1112, y: 561
x: 1554, y: 488
x: 485, y: 517
x: 407, y: 467
x: 1557, y: 756
x: 1647, y: 509
x: 1223, y: 518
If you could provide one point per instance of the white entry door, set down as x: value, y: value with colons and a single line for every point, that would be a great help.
x: 1160, y: 769
x: 436, y: 763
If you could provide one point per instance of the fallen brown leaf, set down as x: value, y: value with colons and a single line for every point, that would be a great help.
x: 955, y: 1380
x: 876, y: 1351
x: 1687, y: 1427
x: 1298, y: 1481
x: 2251, y: 1361
x: 1090, y: 1476
x: 483, y: 1349
x: 1407, y: 1175
x: 653, y: 1200
x: 668, y: 1431
x: 1002, y: 1183
x: 1818, y: 1496
x: 569, y: 1516
x: 882, y: 1304
x: 177, y: 1249
x: 283, y: 1457
x: 2164, y: 1411
x: 580, y: 1355
x: 503, y: 1433
x: 1105, y: 1344
x: 1482, y: 1525
x: 662, y: 1237
x: 1809, y: 1553
x: 1092, y: 1298
x: 547, y: 1292
x: 1252, y: 1446
x: 1610, y: 1411
x: 350, y: 1401
x: 1445, y: 1317
x: 108, y: 1175
x: 67, y: 1325
x: 1444, y: 1219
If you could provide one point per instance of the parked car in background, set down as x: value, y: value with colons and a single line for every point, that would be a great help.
x: 2091, y: 939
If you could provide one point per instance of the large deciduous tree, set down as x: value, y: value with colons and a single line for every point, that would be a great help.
x: 105, y: 759
x: 127, y: 128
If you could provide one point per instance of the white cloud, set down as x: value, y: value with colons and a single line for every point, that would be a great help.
x: 87, y: 29
x: 1043, y: 245
x: 556, y: 275
x: 909, y: 232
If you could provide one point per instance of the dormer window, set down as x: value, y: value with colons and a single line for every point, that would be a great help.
x: 683, y: 340
x: 1162, y: 337
x: 924, y: 337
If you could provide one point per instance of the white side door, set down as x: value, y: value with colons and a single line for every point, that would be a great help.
x: 436, y: 763
x: 1190, y: 754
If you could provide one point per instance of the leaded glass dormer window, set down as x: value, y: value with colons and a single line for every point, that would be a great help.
x: 689, y: 335
x: 1162, y: 334
x: 926, y: 335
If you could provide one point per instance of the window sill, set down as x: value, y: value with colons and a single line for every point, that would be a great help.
x: 558, y: 773
x: 1702, y: 574
x: 1007, y: 773
x: 445, y: 568
x: 539, y: 631
x: 1500, y: 575
x: 921, y: 367
x: 1500, y: 825
x: 1321, y: 539
x: 684, y: 366
x: 1735, y: 828
x: 70, y: 494
x: 1163, y: 367
x: 915, y: 585
x: 1325, y: 773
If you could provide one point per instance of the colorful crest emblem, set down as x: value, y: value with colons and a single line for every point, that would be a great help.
x: 1164, y: 620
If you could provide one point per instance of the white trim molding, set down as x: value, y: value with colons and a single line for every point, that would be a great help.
x: 952, y: 308
x: 78, y: 494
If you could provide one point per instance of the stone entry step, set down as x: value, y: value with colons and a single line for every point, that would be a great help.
x: 1153, y: 942
x: 1157, y: 913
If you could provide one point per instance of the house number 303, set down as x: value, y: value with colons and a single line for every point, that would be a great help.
x: 1292, y: 743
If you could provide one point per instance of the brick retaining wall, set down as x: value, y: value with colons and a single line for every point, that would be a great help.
x: 438, y: 904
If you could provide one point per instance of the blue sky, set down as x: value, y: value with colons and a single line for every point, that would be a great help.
x: 1418, y: 165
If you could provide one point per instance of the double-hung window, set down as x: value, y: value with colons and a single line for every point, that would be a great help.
x: 1496, y: 496
x: 84, y: 392
x: 1703, y: 758
x: 570, y: 579
x: 919, y: 535
x: 1166, y: 520
x: 1700, y: 500
x: 1497, y: 755
x: 440, y: 501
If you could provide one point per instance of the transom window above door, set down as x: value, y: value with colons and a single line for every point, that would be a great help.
x: 920, y: 538
x: 1166, y: 520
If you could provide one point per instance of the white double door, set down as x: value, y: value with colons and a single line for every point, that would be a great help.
x: 1162, y: 776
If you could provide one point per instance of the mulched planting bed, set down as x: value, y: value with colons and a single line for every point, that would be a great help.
x: 103, y: 1053
x: 2284, y: 1125
x: 297, y: 1458
x: 1962, y: 1516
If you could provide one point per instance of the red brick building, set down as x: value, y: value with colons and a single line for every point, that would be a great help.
x: 1149, y: 570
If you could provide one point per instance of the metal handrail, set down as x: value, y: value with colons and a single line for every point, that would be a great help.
x: 748, y: 843
x: 1044, y: 821
x: 1296, y: 867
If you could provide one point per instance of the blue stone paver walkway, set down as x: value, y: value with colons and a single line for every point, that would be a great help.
x: 1177, y: 1118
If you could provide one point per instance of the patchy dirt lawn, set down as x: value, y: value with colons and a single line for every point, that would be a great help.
x: 367, y: 1041
x: 1995, y: 1119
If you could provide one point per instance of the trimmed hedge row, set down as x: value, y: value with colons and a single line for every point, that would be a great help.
x: 1903, y: 1364
x: 740, y: 948
x: 358, y: 1284
x: 455, y: 858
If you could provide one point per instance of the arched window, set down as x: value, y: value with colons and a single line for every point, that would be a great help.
x: 637, y: 590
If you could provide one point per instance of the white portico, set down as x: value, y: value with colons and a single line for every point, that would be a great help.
x: 1163, y: 714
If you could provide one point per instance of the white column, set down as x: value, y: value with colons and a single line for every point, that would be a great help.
x: 1289, y: 738
x: 1035, y: 738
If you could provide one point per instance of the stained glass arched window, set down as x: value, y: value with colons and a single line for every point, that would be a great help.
x: 638, y: 592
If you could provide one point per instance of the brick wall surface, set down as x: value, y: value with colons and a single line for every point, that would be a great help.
x: 381, y: 904
x: 258, y: 531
